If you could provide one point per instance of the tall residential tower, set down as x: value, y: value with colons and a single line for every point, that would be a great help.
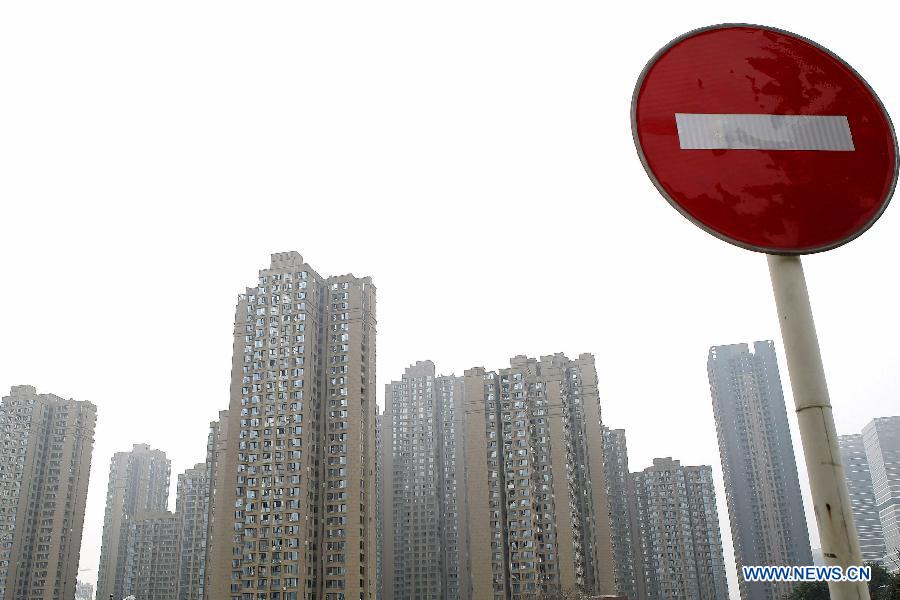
x: 138, y: 484
x: 680, y: 541
x: 762, y: 489
x: 151, y: 556
x: 45, y: 460
x: 192, y: 512
x: 538, y: 514
x: 423, y: 485
x: 294, y: 502
x: 621, y: 517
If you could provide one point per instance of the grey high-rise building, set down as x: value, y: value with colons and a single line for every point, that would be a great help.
x: 192, y: 511
x: 762, y: 489
x: 881, y: 438
x: 151, y: 556
x: 294, y: 504
x: 45, y: 461
x: 680, y: 540
x: 451, y: 477
x: 379, y: 502
x: 138, y: 484
x: 862, y: 497
x: 615, y: 459
x: 84, y: 591
x: 424, y: 514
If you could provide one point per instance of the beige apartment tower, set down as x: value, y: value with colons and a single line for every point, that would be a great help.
x: 45, y: 460
x: 293, y: 514
x: 542, y: 418
x: 138, y: 484
x: 480, y: 468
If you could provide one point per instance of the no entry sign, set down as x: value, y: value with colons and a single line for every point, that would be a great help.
x: 764, y: 138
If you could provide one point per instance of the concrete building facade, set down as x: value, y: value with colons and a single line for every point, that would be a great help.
x: 482, y: 498
x: 138, y: 484
x: 762, y: 489
x: 680, y: 539
x: 536, y: 524
x: 862, y: 497
x: 84, y: 591
x: 379, y: 503
x: 297, y: 475
x: 426, y: 556
x: 45, y: 461
x: 881, y: 438
x: 615, y: 459
x: 192, y: 511
x: 220, y: 538
x: 151, y: 556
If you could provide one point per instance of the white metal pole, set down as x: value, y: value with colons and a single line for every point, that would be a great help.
x: 831, y: 500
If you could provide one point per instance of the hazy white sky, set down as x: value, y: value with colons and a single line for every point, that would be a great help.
x: 474, y: 158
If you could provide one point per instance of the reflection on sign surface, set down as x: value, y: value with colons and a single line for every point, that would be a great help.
x: 764, y: 132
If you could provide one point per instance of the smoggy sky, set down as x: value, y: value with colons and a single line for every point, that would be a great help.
x: 474, y: 158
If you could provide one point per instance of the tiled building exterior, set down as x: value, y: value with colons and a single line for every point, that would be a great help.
x: 298, y: 470
x: 45, y: 461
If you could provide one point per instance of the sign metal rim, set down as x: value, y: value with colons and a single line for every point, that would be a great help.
x: 778, y: 251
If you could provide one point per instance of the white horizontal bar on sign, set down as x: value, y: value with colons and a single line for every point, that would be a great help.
x: 763, y: 132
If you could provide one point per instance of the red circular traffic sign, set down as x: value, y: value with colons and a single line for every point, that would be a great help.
x: 764, y: 139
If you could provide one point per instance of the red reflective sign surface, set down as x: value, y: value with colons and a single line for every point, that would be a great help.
x: 773, y: 200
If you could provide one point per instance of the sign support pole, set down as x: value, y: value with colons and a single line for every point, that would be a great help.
x: 831, y: 500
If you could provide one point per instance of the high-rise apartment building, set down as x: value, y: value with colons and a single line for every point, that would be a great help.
x: 297, y: 475
x: 762, y: 488
x: 219, y: 540
x: 862, y: 497
x: 881, y: 438
x: 151, y: 556
x: 424, y: 511
x: 138, y: 484
x: 615, y: 460
x: 681, y: 544
x: 448, y: 391
x: 192, y: 510
x: 45, y: 460
x: 84, y: 591
x: 537, y: 512
x: 379, y: 502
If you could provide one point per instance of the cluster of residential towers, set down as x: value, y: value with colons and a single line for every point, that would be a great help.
x: 495, y: 484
